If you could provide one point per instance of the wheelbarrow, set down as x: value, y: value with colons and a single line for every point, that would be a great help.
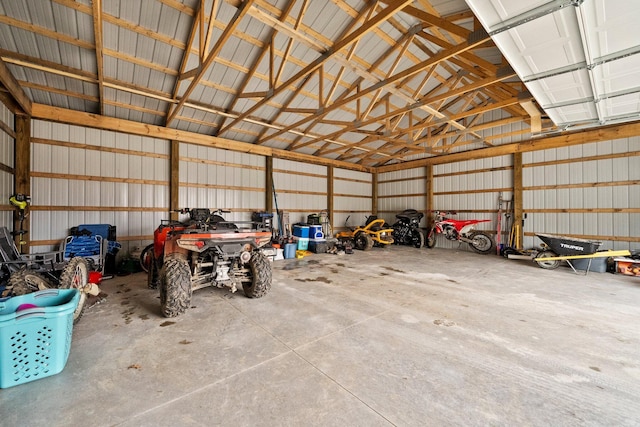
x: 562, y: 248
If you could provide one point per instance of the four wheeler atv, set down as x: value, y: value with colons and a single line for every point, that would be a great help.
x: 206, y: 251
x: 364, y: 238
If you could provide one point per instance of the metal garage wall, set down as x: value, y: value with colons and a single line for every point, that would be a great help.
x: 7, y: 146
x: 301, y: 188
x: 590, y: 191
x: 472, y: 188
x: 221, y: 179
x: 352, y: 192
x: 397, y: 191
x: 89, y: 176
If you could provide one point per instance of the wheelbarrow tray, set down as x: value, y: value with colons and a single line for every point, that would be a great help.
x: 569, y: 246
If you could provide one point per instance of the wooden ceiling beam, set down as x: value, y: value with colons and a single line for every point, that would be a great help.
x: 566, y: 139
x: 97, y: 33
x: 62, y: 115
x: 337, y: 47
x: 14, y: 90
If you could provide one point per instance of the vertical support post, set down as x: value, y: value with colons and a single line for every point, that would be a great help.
x: 22, y: 177
x: 268, y: 184
x: 174, y: 180
x: 518, y: 218
x: 330, y: 196
x: 374, y: 194
x: 429, y: 190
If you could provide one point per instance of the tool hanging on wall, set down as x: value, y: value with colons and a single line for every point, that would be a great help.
x: 504, y: 208
x: 21, y: 203
x: 275, y: 199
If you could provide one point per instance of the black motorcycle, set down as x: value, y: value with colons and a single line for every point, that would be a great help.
x: 406, y: 231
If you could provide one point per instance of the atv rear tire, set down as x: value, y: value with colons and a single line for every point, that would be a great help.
x: 258, y: 282
x: 175, y: 287
x: 481, y: 242
x: 363, y: 241
x: 25, y: 281
x: 75, y: 275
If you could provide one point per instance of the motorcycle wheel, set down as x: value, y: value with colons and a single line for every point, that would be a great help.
x: 75, y: 275
x: 175, y: 287
x: 481, y: 242
x: 363, y: 241
x: 417, y: 238
x: 548, y: 265
x: 258, y: 280
x: 430, y: 241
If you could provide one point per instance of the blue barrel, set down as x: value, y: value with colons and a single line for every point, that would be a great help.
x: 290, y: 250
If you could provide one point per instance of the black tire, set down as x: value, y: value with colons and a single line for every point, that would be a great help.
x: 548, y: 265
x: 75, y: 275
x: 25, y: 281
x: 430, y: 241
x: 481, y: 242
x: 258, y: 279
x: 417, y: 238
x: 363, y: 241
x: 152, y: 274
x: 175, y: 287
x: 145, y: 258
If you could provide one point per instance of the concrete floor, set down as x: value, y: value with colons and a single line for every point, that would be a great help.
x: 394, y: 336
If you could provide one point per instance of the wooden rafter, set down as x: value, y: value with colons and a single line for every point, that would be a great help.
x: 97, y: 32
x: 337, y: 47
x: 235, y: 21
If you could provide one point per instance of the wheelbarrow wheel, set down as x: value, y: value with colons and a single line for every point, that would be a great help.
x: 550, y: 264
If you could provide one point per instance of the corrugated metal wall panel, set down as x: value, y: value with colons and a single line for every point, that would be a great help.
x: 587, y: 194
x: 243, y: 174
x: 352, y: 198
x: 72, y: 185
x: 301, y: 188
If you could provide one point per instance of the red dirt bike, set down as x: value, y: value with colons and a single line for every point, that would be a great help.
x: 462, y: 231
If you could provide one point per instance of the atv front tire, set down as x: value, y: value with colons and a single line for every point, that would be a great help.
x: 152, y: 273
x: 175, y: 287
x: 25, y: 281
x: 145, y: 258
x: 363, y: 241
x: 258, y: 280
x: 75, y: 275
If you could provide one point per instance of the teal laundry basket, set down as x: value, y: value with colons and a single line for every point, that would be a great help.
x: 35, y: 335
